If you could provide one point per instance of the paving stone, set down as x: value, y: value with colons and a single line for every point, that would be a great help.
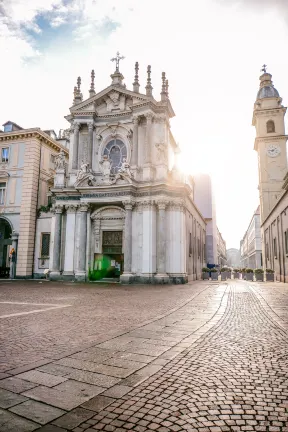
x: 79, y: 388
x: 55, y: 369
x: 117, y: 391
x: 56, y: 398
x: 51, y: 428
x: 4, y: 375
x: 74, y: 418
x: 94, y: 378
x: 29, y: 366
x: 16, y: 385
x: 98, y: 403
x: 9, y: 399
x: 10, y: 422
x: 37, y: 411
x: 41, y: 378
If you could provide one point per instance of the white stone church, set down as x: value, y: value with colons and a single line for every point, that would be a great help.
x: 122, y: 209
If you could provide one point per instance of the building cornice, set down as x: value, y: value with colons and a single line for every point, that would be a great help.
x: 32, y: 133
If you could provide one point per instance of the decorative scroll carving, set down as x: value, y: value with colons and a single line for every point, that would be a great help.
x: 71, y: 208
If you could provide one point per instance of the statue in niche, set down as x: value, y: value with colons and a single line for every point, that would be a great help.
x: 106, y: 166
x: 60, y: 161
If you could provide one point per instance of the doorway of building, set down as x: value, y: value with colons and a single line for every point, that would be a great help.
x: 109, y: 264
x: 5, y: 242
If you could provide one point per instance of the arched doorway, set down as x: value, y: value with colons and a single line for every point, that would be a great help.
x: 5, y: 242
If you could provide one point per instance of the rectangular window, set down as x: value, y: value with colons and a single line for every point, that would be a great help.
x: 5, y: 154
x: 275, y: 248
x: 45, y: 245
x: 2, y: 193
x: 190, y: 244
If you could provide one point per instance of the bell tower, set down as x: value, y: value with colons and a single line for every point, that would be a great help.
x: 270, y: 143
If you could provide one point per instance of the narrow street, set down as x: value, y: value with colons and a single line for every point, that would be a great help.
x: 212, y: 358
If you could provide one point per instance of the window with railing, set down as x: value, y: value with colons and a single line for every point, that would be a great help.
x: 45, y: 245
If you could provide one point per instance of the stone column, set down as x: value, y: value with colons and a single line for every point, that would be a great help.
x: 127, y: 276
x: 55, y: 272
x: 14, y: 255
x: 70, y: 241
x: 134, y: 160
x: 161, y: 275
x: 80, y: 245
x: 149, y: 118
x: 90, y: 144
x: 75, y: 146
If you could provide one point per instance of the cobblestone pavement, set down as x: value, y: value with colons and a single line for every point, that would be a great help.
x: 218, y: 362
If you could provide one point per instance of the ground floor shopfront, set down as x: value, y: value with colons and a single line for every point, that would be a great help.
x: 147, y: 241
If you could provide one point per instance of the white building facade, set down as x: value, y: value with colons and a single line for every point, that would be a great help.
x: 123, y: 209
x: 205, y: 201
x: 251, y: 244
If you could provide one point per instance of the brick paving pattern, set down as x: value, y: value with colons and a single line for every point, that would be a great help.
x: 235, y: 378
x: 202, y: 357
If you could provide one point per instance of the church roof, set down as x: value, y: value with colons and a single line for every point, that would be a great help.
x: 268, y: 91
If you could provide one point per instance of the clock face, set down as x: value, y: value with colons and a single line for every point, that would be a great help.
x: 273, y: 150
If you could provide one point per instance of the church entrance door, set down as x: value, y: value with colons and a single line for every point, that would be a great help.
x: 109, y: 264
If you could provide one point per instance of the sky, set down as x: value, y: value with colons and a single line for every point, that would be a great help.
x: 211, y: 50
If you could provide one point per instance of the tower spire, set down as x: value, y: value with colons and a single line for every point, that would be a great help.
x: 136, y: 84
x: 78, y: 97
x: 167, y: 89
x: 92, y: 86
x: 149, y: 87
x: 163, y: 91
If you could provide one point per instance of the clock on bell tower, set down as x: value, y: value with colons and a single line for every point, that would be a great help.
x: 270, y: 143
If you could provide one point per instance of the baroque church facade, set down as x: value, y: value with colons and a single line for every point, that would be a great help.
x: 123, y: 209
x: 270, y: 144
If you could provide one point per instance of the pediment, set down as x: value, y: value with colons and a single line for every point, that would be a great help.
x: 112, y: 99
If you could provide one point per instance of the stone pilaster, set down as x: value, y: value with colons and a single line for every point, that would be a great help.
x: 55, y: 271
x: 70, y: 241
x: 127, y: 276
x: 80, y: 244
x: 161, y: 275
x: 149, y: 241
x: 75, y: 146
x: 134, y: 160
x: 90, y: 144
x: 148, y: 170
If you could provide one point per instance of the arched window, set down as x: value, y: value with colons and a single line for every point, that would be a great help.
x: 270, y: 126
x: 116, y: 152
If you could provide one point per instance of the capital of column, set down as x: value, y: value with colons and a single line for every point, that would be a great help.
x: 135, y: 119
x: 58, y: 208
x: 76, y: 126
x: 128, y: 205
x: 146, y: 205
x: 84, y: 207
x: 149, y: 117
x: 90, y: 127
x: 162, y: 204
x: 71, y: 208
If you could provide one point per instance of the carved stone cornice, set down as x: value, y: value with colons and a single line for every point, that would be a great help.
x: 32, y: 133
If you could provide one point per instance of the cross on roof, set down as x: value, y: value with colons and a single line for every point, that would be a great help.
x: 264, y: 68
x: 117, y: 60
